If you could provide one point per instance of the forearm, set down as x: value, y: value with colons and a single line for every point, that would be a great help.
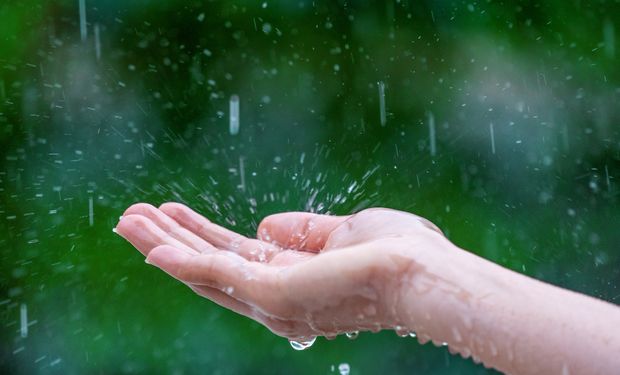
x: 509, y: 321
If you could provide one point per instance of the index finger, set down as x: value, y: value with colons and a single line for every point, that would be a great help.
x: 251, y: 282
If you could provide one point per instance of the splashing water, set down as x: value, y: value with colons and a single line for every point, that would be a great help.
x: 302, y: 345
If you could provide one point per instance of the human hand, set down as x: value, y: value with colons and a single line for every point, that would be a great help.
x: 305, y: 275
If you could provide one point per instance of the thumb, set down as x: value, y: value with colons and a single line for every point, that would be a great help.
x: 299, y: 230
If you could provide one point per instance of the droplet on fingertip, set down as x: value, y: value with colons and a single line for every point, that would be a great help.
x: 352, y: 335
x: 401, y: 331
x: 114, y: 230
x: 301, y: 345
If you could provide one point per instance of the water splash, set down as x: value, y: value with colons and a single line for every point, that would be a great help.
x: 302, y: 345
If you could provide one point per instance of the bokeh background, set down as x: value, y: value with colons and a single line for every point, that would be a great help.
x: 501, y: 126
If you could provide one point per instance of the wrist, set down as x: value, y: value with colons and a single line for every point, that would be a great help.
x: 446, y: 292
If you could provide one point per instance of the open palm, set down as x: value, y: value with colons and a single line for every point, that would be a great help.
x: 305, y: 275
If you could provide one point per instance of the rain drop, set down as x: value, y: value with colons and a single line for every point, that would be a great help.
x: 83, y: 29
x: 234, y: 115
x: 382, y: 114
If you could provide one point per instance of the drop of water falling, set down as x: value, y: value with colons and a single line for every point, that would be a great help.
x: 234, y: 115
x: 344, y: 369
x: 382, y: 113
x: 301, y: 345
x: 352, y: 335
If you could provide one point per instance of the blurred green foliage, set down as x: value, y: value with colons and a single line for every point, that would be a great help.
x: 523, y: 96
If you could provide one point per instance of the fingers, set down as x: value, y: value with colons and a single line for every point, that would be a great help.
x: 168, y: 225
x: 223, y: 299
x: 299, y: 230
x: 142, y: 233
x: 213, y: 233
x: 247, y: 281
x: 219, y: 236
x: 280, y: 327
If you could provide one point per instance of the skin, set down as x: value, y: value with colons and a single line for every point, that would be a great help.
x: 308, y: 275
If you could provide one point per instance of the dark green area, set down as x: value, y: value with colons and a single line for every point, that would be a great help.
x: 148, y: 121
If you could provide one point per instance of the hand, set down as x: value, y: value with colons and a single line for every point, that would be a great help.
x: 306, y: 275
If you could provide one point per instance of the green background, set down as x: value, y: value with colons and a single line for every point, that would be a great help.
x: 147, y: 120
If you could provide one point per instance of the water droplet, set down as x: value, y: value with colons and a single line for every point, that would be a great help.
x: 23, y: 314
x: 301, y: 345
x: 234, y: 115
x: 412, y: 334
x: 382, y: 113
x: 352, y: 335
x: 431, y: 133
x: 401, y: 331
x: 344, y: 369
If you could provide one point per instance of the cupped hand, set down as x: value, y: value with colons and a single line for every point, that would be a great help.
x: 305, y: 275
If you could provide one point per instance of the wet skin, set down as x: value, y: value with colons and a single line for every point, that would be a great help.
x: 308, y: 275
